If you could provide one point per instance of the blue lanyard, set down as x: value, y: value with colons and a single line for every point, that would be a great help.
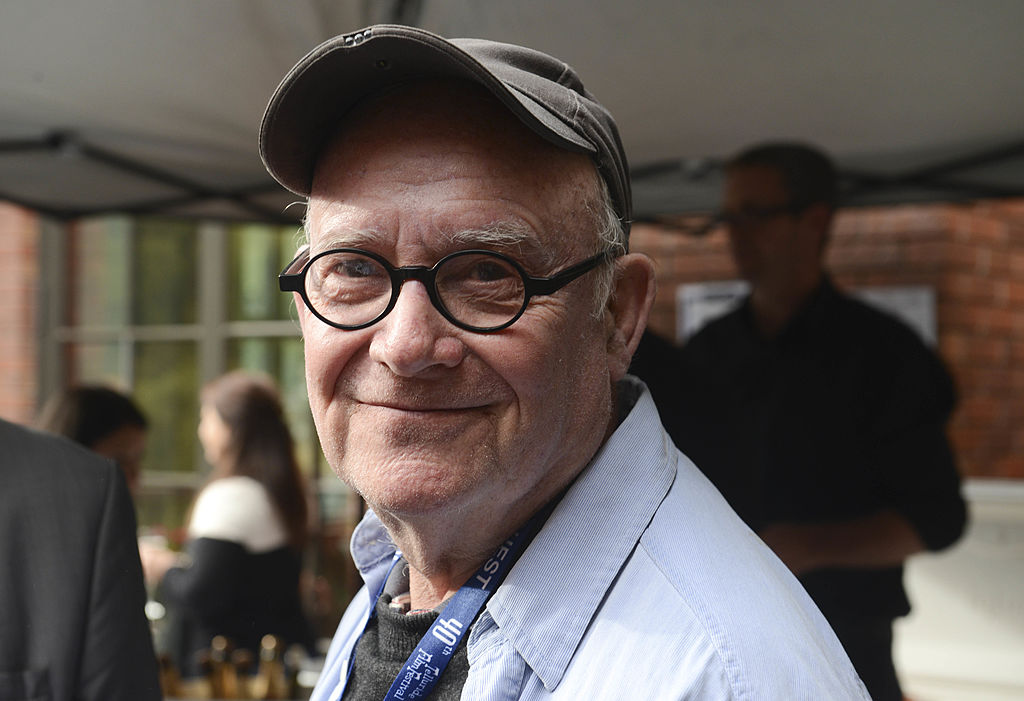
x: 421, y: 671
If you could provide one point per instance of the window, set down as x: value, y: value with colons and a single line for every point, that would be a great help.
x: 158, y: 307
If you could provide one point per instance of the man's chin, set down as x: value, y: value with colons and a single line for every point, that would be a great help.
x: 423, y: 483
x: 410, y: 502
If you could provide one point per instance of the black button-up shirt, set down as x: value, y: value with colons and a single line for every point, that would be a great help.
x: 841, y: 415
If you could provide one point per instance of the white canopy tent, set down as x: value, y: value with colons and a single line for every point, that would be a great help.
x: 150, y: 106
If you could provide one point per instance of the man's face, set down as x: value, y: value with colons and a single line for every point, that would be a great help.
x: 413, y: 412
x: 126, y: 446
x: 764, y: 236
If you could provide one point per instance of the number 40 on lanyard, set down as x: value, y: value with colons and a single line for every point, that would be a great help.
x: 435, y: 649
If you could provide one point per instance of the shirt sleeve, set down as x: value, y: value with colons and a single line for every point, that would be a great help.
x: 911, y: 452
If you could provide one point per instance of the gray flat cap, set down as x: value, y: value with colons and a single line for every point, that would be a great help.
x: 543, y: 92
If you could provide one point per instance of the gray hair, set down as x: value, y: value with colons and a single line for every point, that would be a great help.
x: 611, y: 236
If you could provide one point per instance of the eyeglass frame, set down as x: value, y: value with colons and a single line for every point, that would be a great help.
x: 427, y: 276
x: 754, y: 215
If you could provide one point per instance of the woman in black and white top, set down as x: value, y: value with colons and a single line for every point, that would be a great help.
x: 239, y: 576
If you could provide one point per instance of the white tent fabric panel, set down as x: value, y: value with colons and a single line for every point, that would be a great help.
x: 917, y: 99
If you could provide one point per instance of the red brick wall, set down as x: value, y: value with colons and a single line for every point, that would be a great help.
x: 971, y: 255
x: 19, y: 280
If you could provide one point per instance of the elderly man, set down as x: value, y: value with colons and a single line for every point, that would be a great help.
x: 469, y: 309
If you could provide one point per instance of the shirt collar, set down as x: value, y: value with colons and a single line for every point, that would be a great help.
x: 551, y: 595
x: 372, y: 551
x: 813, y: 311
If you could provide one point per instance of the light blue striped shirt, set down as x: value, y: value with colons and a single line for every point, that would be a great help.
x: 643, y: 584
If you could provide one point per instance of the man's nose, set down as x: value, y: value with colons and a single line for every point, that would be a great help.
x: 414, y: 336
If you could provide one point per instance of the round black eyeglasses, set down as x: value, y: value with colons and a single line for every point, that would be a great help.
x: 477, y: 290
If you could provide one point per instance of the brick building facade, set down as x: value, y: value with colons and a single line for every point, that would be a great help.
x: 19, y: 295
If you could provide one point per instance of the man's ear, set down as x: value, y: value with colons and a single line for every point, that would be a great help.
x: 628, y: 309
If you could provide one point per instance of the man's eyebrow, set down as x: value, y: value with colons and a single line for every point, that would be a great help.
x: 511, y: 236
x: 351, y: 238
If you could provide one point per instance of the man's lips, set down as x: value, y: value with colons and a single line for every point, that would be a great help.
x: 423, y: 408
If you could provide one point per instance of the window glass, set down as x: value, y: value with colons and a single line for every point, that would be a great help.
x: 167, y: 388
x: 98, y: 282
x: 164, y: 274
x: 156, y: 307
x: 256, y: 254
x: 97, y: 363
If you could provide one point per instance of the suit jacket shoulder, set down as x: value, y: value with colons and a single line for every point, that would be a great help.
x: 72, y: 600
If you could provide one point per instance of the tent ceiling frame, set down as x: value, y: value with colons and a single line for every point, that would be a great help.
x: 939, y: 178
x: 62, y: 143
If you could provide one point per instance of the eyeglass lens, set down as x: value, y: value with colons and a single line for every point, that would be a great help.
x: 476, y: 289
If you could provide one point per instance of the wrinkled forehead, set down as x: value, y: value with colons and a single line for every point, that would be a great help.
x: 450, y: 139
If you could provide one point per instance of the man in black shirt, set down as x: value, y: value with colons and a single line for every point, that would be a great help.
x: 820, y: 419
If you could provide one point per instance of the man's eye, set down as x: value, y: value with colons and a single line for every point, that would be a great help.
x: 490, y: 271
x: 355, y: 267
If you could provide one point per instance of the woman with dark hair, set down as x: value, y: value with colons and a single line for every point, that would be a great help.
x: 103, y: 420
x: 239, y: 577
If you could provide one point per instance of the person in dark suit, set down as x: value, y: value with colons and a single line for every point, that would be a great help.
x: 72, y: 619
